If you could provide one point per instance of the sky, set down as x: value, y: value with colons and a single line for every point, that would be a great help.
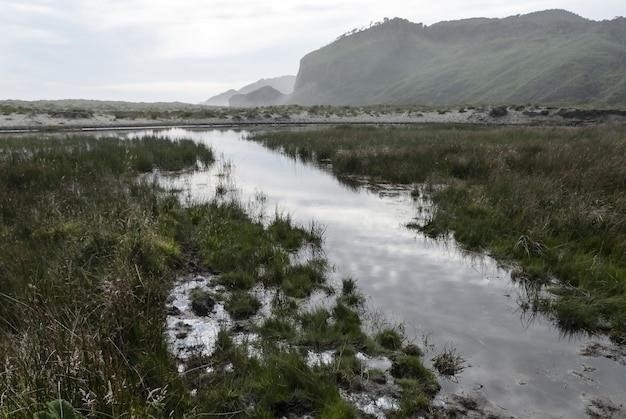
x: 189, y: 50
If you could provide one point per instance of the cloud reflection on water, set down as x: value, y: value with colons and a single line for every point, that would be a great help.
x: 526, y: 366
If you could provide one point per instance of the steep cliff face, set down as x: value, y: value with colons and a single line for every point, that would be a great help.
x: 546, y: 57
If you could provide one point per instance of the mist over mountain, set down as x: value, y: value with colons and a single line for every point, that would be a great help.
x: 552, y: 56
x: 221, y: 99
x: 264, y: 96
x: 282, y: 84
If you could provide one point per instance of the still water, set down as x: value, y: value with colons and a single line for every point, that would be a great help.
x: 524, y: 367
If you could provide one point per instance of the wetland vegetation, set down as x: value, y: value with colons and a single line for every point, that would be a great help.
x: 549, y: 201
x: 90, y: 251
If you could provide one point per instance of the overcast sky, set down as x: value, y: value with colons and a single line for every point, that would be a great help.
x: 188, y: 50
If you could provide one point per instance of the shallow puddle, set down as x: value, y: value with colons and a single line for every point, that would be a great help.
x: 524, y: 366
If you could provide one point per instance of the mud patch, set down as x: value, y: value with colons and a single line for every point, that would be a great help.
x: 187, y: 333
x: 372, y: 405
x: 597, y: 349
x: 469, y: 406
x: 604, y: 409
x: 190, y: 334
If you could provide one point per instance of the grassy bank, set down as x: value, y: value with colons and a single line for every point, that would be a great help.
x: 552, y: 200
x: 88, y: 256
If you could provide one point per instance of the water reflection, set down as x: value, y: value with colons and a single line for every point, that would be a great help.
x: 518, y: 359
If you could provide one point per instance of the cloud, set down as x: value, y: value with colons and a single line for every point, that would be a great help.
x: 165, y: 88
x: 192, y: 49
x: 26, y: 34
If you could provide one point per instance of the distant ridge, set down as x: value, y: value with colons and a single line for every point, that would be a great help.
x: 552, y: 56
x: 264, y: 96
x: 221, y: 99
x: 283, y: 84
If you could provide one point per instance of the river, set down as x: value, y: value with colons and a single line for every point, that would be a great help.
x: 522, y: 364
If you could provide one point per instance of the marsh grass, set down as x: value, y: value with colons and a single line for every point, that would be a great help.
x: 88, y: 256
x: 550, y: 200
x: 350, y: 294
x: 242, y: 305
x: 449, y: 363
x: 86, y: 260
x: 202, y: 302
x: 410, y: 367
x: 417, y: 382
x: 389, y: 339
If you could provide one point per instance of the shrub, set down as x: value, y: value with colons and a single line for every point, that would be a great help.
x: 498, y: 112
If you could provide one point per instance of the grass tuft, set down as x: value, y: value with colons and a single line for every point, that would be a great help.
x: 389, y: 339
x: 411, y: 367
x: 242, y: 305
x: 449, y: 363
x: 202, y: 302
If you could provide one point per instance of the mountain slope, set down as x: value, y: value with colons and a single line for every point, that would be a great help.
x: 545, y: 57
x: 265, y: 96
x: 283, y: 84
x: 221, y: 99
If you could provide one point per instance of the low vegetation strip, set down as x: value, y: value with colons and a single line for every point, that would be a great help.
x: 62, y: 116
x: 551, y: 201
x: 90, y: 253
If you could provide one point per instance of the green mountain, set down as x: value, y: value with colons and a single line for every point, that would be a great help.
x: 552, y: 56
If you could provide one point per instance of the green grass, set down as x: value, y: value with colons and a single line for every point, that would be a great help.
x: 389, y: 339
x: 242, y: 305
x: 417, y: 382
x: 448, y: 362
x: 88, y: 256
x: 237, y: 280
x: 549, y: 200
x: 202, y: 302
x: 411, y: 367
x: 278, y: 328
x: 414, y: 400
x: 301, y: 280
x: 339, y: 326
x: 292, y: 237
x: 519, y: 59
x: 350, y: 294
